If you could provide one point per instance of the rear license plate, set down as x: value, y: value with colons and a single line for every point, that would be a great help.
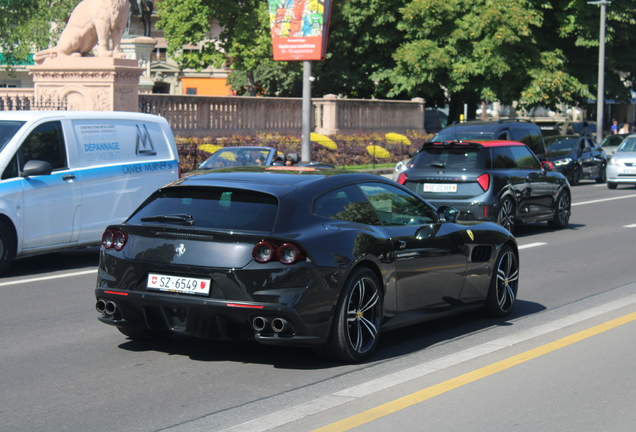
x: 178, y: 284
x: 440, y: 188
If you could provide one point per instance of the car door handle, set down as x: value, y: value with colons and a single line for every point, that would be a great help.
x: 401, y: 244
x: 68, y: 177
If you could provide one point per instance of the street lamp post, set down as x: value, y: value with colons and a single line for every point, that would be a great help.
x: 600, y: 97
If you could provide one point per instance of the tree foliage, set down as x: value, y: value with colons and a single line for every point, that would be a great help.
x: 31, y: 25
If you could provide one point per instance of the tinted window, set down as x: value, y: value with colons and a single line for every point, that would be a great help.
x: 525, y: 159
x: 397, y: 207
x: 629, y: 145
x: 8, y: 130
x: 463, y: 136
x: 346, y: 204
x: 502, y: 158
x: 45, y: 143
x: 450, y: 157
x: 530, y: 137
x: 560, y: 147
x: 221, y: 208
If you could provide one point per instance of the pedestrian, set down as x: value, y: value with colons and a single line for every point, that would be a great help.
x: 585, y: 131
x: 614, y: 128
x: 624, y: 129
x: 289, y: 161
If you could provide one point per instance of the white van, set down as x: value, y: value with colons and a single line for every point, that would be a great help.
x: 66, y: 175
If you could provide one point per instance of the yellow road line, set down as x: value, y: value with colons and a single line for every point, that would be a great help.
x: 430, y: 392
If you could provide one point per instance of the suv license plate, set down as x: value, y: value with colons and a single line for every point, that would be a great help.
x: 440, y: 188
x: 185, y: 285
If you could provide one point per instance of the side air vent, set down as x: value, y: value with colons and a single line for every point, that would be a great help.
x: 481, y: 254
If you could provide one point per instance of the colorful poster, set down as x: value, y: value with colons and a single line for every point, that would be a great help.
x: 299, y: 28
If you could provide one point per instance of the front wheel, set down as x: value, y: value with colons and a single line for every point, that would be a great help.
x: 7, y: 247
x: 611, y: 185
x: 356, y: 323
x: 504, y: 284
x: 602, y: 177
x: 575, y: 178
x: 562, y: 211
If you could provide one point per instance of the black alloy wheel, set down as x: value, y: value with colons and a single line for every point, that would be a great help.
x: 504, y: 284
x: 356, y: 325
x: 562, y: 211
x: 575, y: 178
x: 506, y: 215
x: 145, y: 334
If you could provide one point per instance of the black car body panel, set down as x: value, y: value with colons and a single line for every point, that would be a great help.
x: 577, y: 157
x: 447, y: 174
x: 339, y: 223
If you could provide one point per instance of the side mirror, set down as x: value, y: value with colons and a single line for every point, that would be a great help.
x: 36, y: 167
x: 447, y: 214
x: 547, y: 166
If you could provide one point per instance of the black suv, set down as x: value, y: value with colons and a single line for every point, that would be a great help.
x: 508, y: 130
x: 499, y: 181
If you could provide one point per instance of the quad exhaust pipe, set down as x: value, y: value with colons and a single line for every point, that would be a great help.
x: 278, y: 325
x: 106, y: 308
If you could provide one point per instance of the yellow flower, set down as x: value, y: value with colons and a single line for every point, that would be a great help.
x: 210, y: 148
x: 395, y: 138
x: 378, y: 152
x: 323, y: 141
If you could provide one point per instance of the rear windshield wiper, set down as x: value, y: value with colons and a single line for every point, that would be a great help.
x: 177, y: 218
x: 438, y: 165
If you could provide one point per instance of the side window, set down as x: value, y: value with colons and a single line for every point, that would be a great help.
x: 346, y: 203
x: 397, y: 207
x: 524, y: 158
x: 504, y: 135
x: 530, y: 137
x: 502, y: 158
x: 45, y: 143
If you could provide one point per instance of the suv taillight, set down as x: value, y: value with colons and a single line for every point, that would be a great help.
x: 114, y: 239
x: 402, y: 178
x: 287, y: 253
x: 484, y: 181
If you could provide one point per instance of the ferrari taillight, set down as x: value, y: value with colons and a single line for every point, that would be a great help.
x: 286, y: 253
x: 484, y: 181
x: 114, y: 239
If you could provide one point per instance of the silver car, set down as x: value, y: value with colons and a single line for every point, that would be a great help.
x: 621, y: 168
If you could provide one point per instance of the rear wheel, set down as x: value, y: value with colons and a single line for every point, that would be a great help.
x: 504, y: 284
x: 356, y: 324
x: 7, y: 247
x: 145, y: 334
x: 562, y: 211
x: 506, y: 215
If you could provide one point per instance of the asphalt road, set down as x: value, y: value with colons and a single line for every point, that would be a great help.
x: 62, y: 370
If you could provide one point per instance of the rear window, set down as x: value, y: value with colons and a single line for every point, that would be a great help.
x: 217, y: 208
x: 451, y: 158
x: 463, y: 136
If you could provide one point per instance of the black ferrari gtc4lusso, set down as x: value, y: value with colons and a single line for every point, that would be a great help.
x: 300, y: 256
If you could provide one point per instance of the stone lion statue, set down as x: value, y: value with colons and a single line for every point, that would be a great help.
x: 92, y: 22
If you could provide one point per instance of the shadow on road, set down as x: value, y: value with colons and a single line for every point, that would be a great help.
x: 392, y: 344
x: 74, y: 259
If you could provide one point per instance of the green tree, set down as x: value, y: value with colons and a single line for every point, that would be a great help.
x: 31, y: 25
x: 470, y: 50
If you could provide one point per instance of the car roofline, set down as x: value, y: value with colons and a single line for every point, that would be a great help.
x: 490, y: 143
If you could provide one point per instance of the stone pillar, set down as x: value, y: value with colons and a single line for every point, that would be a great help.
x: 89, y: 83
x: 330, y: 124
x: 141, y: 48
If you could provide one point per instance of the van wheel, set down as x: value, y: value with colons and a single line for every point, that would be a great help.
x: 7, y: 247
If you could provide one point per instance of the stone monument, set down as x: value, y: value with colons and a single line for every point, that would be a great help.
x: 68, y: 71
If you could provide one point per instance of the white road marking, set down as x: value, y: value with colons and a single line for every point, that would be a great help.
x: 629, y: 226
x: 603, y: 200
x: 531, y: 245
x: 60, y: 276
x: 290, y: 414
